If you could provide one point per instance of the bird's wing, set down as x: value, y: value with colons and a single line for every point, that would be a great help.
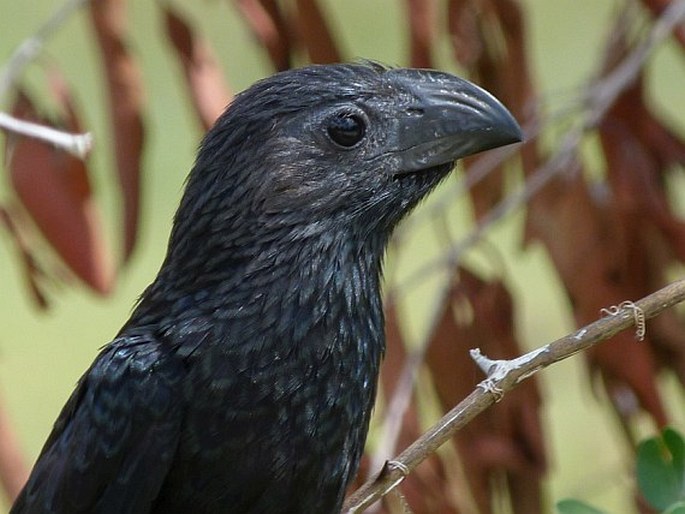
x: 112, y: 445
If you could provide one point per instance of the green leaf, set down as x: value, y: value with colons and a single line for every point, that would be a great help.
x: 676, y: 445
x: 661, y: 469
x: 577, y: 507
x: 678, y: 508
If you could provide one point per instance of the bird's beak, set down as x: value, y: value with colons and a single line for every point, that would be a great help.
x: 447, y: 118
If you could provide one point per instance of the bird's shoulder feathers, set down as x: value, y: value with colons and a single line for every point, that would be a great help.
x: 112, y: 445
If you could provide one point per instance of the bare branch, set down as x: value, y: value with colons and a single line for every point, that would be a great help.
x: 504, y: 376
x: 78, y: 145
x: 33, y: 45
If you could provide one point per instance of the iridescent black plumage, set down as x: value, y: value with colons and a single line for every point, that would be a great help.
x: 245, y: 378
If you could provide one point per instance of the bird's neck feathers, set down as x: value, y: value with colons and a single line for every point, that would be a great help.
x: 321, y: 274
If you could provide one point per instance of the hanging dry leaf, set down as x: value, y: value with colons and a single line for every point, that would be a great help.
x: 488, y: 39
x: 55, y: 189
x: 315, y: 34
x: 422, y: 18
x: 507, y: 439
x: 206, y: 84
x: 638, y: 150
x: 33, y: 273
x: 598, y: 263
x: 464, y: 31
x: 270, y: 28
x: 125, y: 100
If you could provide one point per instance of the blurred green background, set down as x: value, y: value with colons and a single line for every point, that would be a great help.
x: 42, y: 354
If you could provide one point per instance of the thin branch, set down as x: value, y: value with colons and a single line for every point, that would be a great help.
x: 396, y: 408
x: 601, y: 94
x: 504, y: 376
x: 78, y: 145
x: 31, y: 47
x: 606, y: 90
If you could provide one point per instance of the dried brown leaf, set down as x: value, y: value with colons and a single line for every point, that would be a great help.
x: 55, y: 189
x: 125, y: 85
x: 464, y: 31
x: 507, y: 439
x: 595, y: 251
x: 209, y: 91
x: 270, y: 28
x: 638, y: 150
x: 315, y: 34
x: 422, y: 24
x: 489, y: 39
x: 32, y: 272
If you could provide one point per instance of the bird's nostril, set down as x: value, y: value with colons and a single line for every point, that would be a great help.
x: 415, y: 111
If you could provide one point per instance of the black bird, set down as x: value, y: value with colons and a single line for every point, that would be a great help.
x: 244, y: 380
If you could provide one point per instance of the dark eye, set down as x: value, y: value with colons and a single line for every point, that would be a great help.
x: 346, y: 129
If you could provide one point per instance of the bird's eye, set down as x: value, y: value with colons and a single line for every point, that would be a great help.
x: 346, y: 129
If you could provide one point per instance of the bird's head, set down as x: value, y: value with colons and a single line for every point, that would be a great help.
x: 338, y: 146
